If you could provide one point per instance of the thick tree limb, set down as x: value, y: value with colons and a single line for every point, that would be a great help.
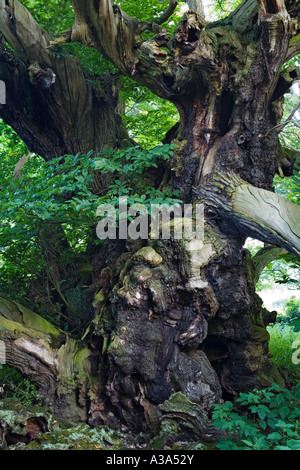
x: 105, y: 26
x: 168, y: 12
x: 294, y: 47
x: 28, y: 338
x: 50, y: 101
x: 255, y: 212
x: 21, y: 31
x: 264, y: 256
x: 55, y: 363
x: 269, y: 215
x: 276, y: 15
x: 196, y: 6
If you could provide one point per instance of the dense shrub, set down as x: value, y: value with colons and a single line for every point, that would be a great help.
x: 265, y: 419
x: 282, y: 338
x: 291, y: 311
x: 14, y: 385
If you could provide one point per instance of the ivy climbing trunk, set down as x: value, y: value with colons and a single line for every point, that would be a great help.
x: 178, y: 321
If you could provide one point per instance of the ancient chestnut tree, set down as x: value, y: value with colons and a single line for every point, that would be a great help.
x: 168, y: 316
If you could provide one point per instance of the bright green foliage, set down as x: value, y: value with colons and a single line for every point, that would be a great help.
x: 290, y: 271
x: 295, y: 322
x: 283, y: 270
x: 30, y: 208
x: 223, y: 8
x: 151, y: 10
x: 291, y: 314
x: 54, y: 16
x: 125, y: 166
x: 296, y: 180
x: 291, y: 311
x: 265, y: 419
x: 146, y: 116
x: 290, y: 187
x: 281, y: 341
x: 290, y: 135
x: 11, y: 150
x: 14, y: 385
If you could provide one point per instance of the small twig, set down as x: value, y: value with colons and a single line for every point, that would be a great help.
x: 279, y: 127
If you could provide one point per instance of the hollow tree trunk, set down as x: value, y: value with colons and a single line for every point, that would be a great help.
x: 182, y: 316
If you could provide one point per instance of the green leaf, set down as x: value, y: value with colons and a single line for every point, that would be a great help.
x: 293, y: 444
x: 282, y: 448
x: 284, y: 411
x: 263, y: 424
x: 296, y: 324
x: 274, y: 437
x: 248, y: 443
x: 262, y: 411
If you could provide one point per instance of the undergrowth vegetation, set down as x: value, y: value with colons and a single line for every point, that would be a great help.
x: 267, y: 419
x: 14, y: 385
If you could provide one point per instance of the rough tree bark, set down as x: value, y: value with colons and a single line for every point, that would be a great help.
x: 51, y: 101
x: 182, y: 316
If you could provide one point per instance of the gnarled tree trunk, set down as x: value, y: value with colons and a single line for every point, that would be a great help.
x: 182, y: 316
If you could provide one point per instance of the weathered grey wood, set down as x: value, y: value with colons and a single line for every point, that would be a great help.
x: 196, y: 6
x: 256, y: 212
x: 268, y: 215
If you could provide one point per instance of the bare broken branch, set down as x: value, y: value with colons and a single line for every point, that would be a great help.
x: 20, y: 164
x: 168, y: 12
x: 264, y: 256
x: 282, y: 125
x: 256, y: 212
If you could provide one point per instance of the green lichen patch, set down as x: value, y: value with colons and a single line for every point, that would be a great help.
x: 25, y: 422
x: 259, y: 334
x: 181, y: 419
x: 147, y: 255
x: 81, y: 437
x: 55, y: 434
